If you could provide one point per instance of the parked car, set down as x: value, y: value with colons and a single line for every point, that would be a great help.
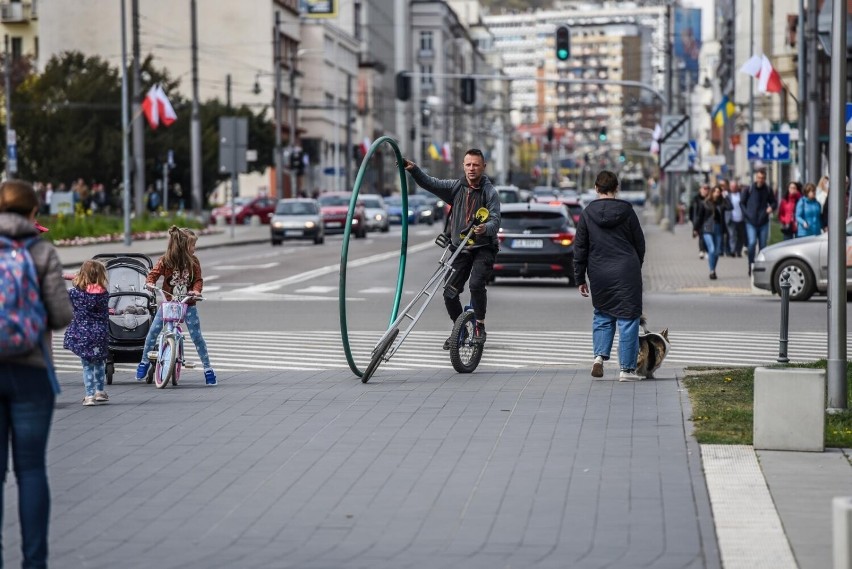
x: 413, y: 214
x: 544, y: 193
x: 297, y: 218
x: 536, y: 240
x: 334, y: 207
x: 246, y: 208
x: 804, y: 260
x: 375, y: 212
x: 508, y: 194
x: 423, y: 209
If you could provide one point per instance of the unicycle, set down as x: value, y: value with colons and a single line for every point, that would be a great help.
x: 392, y: 339
x: 464, y: 352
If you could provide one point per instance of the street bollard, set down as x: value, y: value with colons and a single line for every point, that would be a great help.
x: 841, y: 528
x: 785, y: 317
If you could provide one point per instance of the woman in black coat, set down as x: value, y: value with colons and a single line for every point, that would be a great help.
x: 610, y: 248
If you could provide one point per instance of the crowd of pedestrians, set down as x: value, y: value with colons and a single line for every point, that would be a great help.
x: 728, y: 219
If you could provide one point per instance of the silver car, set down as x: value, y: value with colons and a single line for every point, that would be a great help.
x: 805, y: 260
x: 296, y: 218
x: 375, y: 212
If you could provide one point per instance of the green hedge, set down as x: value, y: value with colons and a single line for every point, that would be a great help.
x: 81, y: 226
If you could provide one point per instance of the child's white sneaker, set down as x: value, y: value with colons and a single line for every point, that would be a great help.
x: 629, y: 375
x: 89, y: 401
x: 101, y: 397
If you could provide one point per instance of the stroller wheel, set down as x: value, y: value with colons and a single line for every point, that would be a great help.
x: 150, y: 377
x: 110, y: 371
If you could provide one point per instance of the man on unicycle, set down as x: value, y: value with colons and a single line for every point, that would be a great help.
x: 476, y: 261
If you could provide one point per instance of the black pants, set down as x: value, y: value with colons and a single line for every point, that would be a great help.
x: 478, y: 264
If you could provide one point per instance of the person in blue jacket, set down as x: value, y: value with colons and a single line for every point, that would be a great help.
x: 808, y: 213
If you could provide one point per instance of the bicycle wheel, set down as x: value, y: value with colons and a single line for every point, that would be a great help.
x: 165, y: 363
x: 464, y: 354
x: 378, y: 353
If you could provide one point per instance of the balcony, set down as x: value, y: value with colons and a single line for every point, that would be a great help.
x: 17, y: 12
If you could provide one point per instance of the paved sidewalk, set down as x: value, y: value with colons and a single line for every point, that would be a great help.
x: 531, y: 468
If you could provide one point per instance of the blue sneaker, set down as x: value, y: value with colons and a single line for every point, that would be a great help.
x: 142, y: 370
x: 209, y: 377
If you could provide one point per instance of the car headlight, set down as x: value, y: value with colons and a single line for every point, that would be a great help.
x: 411, y: 212
x: 309, y: 225
x: 761, y: 258
x: 427, y: 212
x: 378, y: 217
x: 278, y: 224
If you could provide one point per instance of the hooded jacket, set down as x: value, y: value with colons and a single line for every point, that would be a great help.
x: 610, y: 247
x: 88, y: 334
x: 465, y: 200
x: 49, y: 271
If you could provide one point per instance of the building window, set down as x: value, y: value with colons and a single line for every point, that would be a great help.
x: 357, y: 18
x: 426, y: 78
x: 426, y: 41
x: 17, y: 48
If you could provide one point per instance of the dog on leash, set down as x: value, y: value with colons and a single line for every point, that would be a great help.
x: 653, y: 347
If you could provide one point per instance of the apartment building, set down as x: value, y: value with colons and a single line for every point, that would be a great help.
x: 19, y: 23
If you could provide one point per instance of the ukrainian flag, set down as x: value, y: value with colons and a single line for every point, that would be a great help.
x: 433, y: 152
x: 723, y: 111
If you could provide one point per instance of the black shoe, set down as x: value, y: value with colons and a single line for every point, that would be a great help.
x: 713, y: 276
x: 447, y: 343
x: 479, y: 334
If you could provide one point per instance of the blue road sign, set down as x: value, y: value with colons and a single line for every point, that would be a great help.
x: 849, y: 123
x: 768, y: 146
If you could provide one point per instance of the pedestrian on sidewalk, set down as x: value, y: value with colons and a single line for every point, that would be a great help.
x: 709, y: 220
x: 28, y: 386
x: 476, y: 261
x: 809, y: 213
x: 736, y: 225
x: 787, y: 210
x: 180, y: 270
x: 758, y: 203
x: 610, y: 247
x: 88, y: 334
x: 694, y: 207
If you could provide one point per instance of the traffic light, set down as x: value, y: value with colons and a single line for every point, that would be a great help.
x: 563, y: 43
x: 403, y: 86
x: 602, y: 134
x: 622, y: 157
x: 295, y: 159
x: 468, y: 90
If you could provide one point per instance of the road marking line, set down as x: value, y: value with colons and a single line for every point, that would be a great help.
x: 245, y: 267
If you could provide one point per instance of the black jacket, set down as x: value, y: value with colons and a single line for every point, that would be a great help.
x: 455, y: 192
x: 754, y: 202
x: 706, y: 216
x: 610, y: 246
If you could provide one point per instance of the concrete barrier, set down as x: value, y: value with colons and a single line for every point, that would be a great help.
x: 789, y: 409
x: 842, y: 532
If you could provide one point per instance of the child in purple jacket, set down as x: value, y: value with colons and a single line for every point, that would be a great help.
x: 88, y: 334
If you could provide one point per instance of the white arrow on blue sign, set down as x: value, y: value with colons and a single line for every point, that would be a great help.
x: 849, y: 123
x: 768, y: 146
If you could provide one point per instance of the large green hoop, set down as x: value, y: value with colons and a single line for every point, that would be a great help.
x: 344, y: 251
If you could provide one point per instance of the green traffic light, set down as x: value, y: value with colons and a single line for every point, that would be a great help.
x: 562, y: 54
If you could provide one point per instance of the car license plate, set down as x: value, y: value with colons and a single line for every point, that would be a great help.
x: 527, y: 244
x: 293, y: 233
x: 334, y: 224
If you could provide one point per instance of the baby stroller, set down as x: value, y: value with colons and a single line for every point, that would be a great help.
x: 132, y: 307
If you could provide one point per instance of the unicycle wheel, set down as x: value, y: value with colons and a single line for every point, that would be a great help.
x: 378, y: 354
x: 464, y: 353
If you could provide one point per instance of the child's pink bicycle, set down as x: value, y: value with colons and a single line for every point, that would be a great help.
x: 168, y: 358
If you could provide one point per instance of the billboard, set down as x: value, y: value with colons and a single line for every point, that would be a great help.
x: 318, y: 8
x: 687, y: 45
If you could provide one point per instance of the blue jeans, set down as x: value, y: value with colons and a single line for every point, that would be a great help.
x: 713, y: 243
x: 193, y: 324
x: 26, y: 408
x: 94, y: 374
x: 603, y: 333
x: 756, y: 236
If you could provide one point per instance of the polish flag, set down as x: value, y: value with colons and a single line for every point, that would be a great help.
x: 759, y: 67
x: 365, y: 146
x: 157, y: 108
x: 446, y: 152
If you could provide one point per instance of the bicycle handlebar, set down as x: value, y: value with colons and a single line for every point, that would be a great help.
x: 178, y: 298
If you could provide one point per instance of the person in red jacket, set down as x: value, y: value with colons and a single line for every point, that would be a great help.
x: 787, y: 210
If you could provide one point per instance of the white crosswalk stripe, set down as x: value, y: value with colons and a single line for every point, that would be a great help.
x: 248, y: 350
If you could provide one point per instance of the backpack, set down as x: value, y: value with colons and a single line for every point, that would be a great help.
x: 23, y: 318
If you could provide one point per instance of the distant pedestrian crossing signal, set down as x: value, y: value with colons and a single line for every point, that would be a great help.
x: 563, y: 43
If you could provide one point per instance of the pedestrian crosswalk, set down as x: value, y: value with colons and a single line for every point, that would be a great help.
x: 317, y: 350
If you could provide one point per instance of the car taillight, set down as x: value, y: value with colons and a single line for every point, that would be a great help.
x: 500, y: 237
x: 563, y: 239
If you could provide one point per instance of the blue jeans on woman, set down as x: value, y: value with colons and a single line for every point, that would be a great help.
x: 26, y: 409
x: 713, y: 242
x: 603, y: 334
x: 193, y: 324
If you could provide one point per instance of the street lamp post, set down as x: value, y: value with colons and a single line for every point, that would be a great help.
x: 279, y: 179
x: 293, y: 59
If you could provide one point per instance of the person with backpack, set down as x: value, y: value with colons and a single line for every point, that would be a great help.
x: 32, y: 292
x: 88, y: 334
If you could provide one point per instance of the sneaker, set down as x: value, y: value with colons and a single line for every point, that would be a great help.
x: 479, y: 334
x: 597, y: 367
x: 101, y: 396
x: 713, y: 276
x: 447, y: 343
x: 701, y: 254
x: 209, y: 377
x: 629, y: 375
x: 89, y: 400
x: 142, y: 370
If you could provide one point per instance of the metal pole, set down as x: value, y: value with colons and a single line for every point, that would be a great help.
x: 814, y: 160
x: 293, y: 103
x: 785, y: 317
x: 348, y: 132
x: 671, y: 190
x: 228, y: 91
x: 751, y: 83
x: 836, y: 369
x: 804, y: 175
x: 276, y: 42
x: 125, y: 125
x: 138, y: 120
x: 195, y: 129
x: 166, y: 187
x: 11, y: 166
